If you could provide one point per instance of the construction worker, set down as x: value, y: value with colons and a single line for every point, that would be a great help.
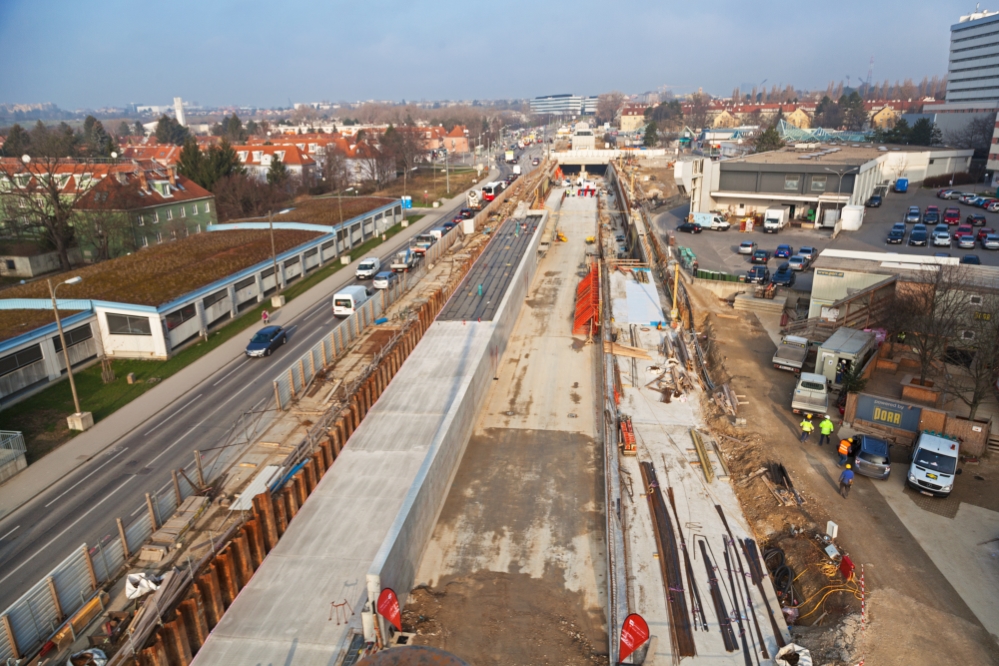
x: 807, y: 427
x: 826, y: 428
x: 845, y: 482
x: 844, y: 449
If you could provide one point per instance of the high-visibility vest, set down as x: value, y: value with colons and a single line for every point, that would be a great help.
x: 807, y: 426
x: 844, y: 447
x: 826, y: 427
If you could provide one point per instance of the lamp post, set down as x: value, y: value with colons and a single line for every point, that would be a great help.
x: 79, y: 420
x: 839, y: 185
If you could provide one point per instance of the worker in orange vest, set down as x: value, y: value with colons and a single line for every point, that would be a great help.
x: 844, y: 449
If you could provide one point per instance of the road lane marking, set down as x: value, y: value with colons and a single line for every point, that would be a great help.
x: 71, y: 526
x: 9, y: 533
x: 318, y: 311
x: 229, y: 373
x: 179, y: 440
x: 188, y: 404
x: 141, y: 507
x: 86, y: 477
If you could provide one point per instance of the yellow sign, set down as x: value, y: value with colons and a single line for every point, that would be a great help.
x: 885, y: 416
x: 836, y: 274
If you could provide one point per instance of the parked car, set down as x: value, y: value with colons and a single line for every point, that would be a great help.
x: 954, y: 194
x: 747, y: 247
x: 689, y: 228
x: 799, y: 263
x: 983, y: 232
x: 964, y: 230
x: 944, y: 194
x: 896, y: 236
x: 783, y: 251
x: 913, y: 215
x: 931, y: 215
x: 808, y: 252
x: 872, y: 458
x: 466, y: 213
x: 971, y: 259
x: 384, y: 280
x: 760, y: 257
x: 266, y: 341
x: 993, y: 207
x: 952, y: 216
x: 943, y: 255
x: 967, y: 197
x: 758, y: 275
x: 976, y: 220
x: 966, y: 242
x: 874, y: 202
x: 919, y: 235
x: 941, y: 236
x: 784, y: 277
x: 991, y: 242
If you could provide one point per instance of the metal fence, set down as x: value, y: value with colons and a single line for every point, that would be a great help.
x: 31, y: 620
x: 12, y: 454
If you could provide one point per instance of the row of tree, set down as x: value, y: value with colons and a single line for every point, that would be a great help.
x: 60, y: 141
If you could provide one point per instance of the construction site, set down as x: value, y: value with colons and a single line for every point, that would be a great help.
x: 534, y: 452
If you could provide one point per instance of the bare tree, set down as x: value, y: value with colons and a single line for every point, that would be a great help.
x: 937, y: 306
x: 698, y: 116
x: 45, y: 193
x: 608, y: 105
x: 976, y: 134
x: 974, y: 358
x: 103, y: 222
x: 335, y: 172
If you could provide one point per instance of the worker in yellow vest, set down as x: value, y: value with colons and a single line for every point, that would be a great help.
x: 826, y: 428
x: 807, y: 427
x: 844, y: 449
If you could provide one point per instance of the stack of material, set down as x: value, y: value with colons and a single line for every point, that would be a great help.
x: 180, y: 521
x: 628, y: 445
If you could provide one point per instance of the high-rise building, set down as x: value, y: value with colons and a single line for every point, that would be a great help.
x: 178, y: 109
x: 564, y: 105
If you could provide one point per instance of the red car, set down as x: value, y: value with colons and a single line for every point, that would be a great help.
x: 983, y: 232
x: 952, y: 216
x: 964, y: 230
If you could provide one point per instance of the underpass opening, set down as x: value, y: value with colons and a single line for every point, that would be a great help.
x: 592, y: 169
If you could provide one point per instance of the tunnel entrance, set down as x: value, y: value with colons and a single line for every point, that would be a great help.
x: 595, y: 169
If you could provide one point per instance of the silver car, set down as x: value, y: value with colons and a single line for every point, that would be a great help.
x: 872, y: 457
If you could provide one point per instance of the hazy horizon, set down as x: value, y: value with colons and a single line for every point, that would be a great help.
x: 260, y: 54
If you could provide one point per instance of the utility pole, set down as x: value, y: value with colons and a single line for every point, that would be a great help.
x: 277, y: 282
x: 447, y: 174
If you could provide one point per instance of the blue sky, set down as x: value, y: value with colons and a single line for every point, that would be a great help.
x: 91, y: 54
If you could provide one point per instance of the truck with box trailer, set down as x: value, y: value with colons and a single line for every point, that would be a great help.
x: 710, y: 221
x: 776, y: 218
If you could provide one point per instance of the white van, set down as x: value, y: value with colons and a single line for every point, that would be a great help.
x: 934, y: 464
x: 368, y: 268
x: 346, y: 301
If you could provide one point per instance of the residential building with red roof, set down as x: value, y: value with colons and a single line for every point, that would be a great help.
x: 257, y: 158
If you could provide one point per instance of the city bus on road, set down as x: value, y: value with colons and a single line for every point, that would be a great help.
x: 491, y: 190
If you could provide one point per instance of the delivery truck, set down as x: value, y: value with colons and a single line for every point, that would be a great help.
x: 710, y: 221
x: 791, y: 353
x: 776, y: 218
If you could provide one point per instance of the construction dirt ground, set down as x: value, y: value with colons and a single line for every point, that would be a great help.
x: 914, y: 615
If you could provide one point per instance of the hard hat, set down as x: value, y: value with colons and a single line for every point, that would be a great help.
x: 850, y: 440
x: 848, y: 465
x: 827, y: 416
x: 809, y: 416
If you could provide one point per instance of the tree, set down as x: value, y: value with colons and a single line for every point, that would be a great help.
x: 207, y: 168
x: 191, y: 163
x: 853, y: 112
x: 45, y: 194
x: 977, y: 351
x: 103, y: 223
x: 925, y: 133
x: 668, y: 115
x: 168, y: 130
x: 651, y: 134
x: 252, y: 129
x: 976, y: 134
x: 931, y: 312
x: 608, y: 105
x: 123, y: 129
x: 828, y: 114
x: 768, y: 140
x: 140, y: 130
x: 277, y: 174
x: 698, y: 110
x: 17, y: 143
x: 97, y: 140
x: 336, y: 174
x: 239, y: 195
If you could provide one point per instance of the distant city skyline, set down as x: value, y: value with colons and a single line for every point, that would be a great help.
x: 254, y: 53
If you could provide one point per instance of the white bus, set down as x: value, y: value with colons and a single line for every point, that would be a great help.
x: 491, y: 190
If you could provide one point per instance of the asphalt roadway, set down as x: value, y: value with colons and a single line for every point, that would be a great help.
x: 83, y: 506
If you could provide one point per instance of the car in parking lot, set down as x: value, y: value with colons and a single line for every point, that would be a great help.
x: 265, y: 341
x: 783, y: 251
x: 784, y: 277
x: 760, y: 257
x: 799, y: 263
x: 384, y: 280
x: 913, y: 215
x: 964, y: 230
x: 971, y: 259
x: 808, y: 252
x: 918, y: 235
x: 953, y: 194
x: 991, y: 242
x: 976, y: 220
x: 874, y: 202
x: 983, y: 232
x: 747, y: 247
x: 941, y: 236
x: 872, y: 458
x: 758, y: 275
x: 966, y: 242
x: 689, y: 228
x: 931, y: 215
x: 952, y: 215
x: 944, y: 194
x: 896, y: 236
x: 967, y: 197
x: 993, y: 207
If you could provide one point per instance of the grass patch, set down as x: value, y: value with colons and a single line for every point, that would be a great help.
x: 42, y: 417
x: 426, y: 186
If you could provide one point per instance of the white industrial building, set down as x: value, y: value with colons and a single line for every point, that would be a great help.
x: 564, y: 105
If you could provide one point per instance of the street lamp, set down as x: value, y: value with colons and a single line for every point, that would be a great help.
x: 839, y: 185
x: 79, y: 420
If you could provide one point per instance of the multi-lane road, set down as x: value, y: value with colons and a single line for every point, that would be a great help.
x: 83, y: 506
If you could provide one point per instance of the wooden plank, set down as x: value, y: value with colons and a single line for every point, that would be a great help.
x: 623, y: 350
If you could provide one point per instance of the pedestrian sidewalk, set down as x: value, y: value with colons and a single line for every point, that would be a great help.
x: 67, y: 458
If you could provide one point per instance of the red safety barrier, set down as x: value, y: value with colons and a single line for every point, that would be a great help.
x: 587, y: 319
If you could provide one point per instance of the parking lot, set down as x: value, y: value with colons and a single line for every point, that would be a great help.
x: 718, y: 250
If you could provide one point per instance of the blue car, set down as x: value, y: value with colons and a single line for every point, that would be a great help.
x: 784, y: 277
x: 783, y: 252
x: 266, y: 341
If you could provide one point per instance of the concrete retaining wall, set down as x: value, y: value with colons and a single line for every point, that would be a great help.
x: 399, y: 556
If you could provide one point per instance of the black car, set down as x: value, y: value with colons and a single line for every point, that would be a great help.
x: 266, y: 341
x: 448, y: 226
x: 758, y: 275
x: 466, y: 213
x: 971, y: 259
x: 919, y: 235
x: 896, y: 236
x: 784, y: 277
x: 976, y: 220
x: 689, y: 228
x: 874, y: 201
x: 760, y: 257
